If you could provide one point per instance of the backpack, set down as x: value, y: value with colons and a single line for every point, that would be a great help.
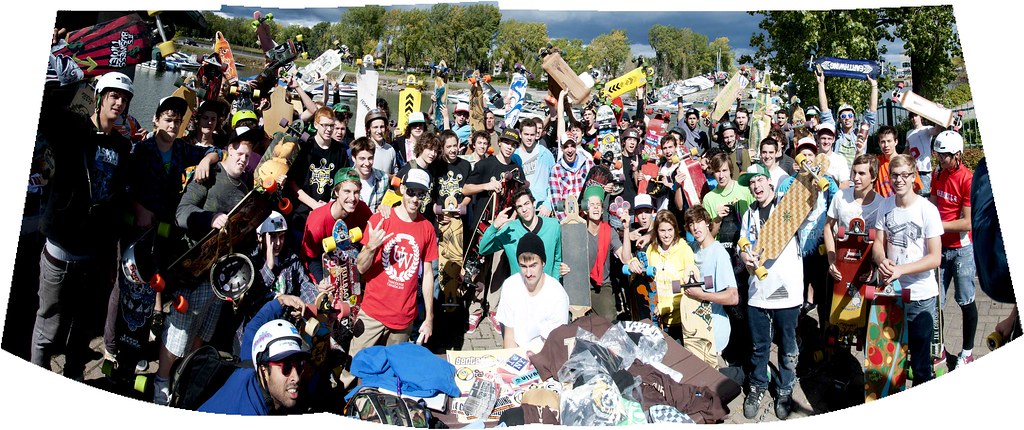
x: 197, y: 376
x: 369, y: 404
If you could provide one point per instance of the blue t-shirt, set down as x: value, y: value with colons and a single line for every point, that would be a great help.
x: 714, y: 260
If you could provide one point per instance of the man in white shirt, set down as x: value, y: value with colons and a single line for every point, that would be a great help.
x: 838, y: 168
x: 770, y: 153
x: 532, y: 302
x: 919, y: 146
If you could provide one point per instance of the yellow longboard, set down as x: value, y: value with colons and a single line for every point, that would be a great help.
x: 408, y: 100
x: 723, y: 101
x: 623, y: 84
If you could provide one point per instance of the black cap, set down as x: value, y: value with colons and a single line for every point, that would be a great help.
x: 175, y: 104
x: 531, y: 243
x: 511, y: 135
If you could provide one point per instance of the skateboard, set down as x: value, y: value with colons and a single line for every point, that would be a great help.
x: 564, y: 77
x: 280, y: 57
x: 885, y: 361
x: 938, y: 343
x: 657, y: 128
x: 102, y: 48
x: 995, y: 340
x: 695, y: 184
x: 187, y: 90
x: 313, y: 328
x: 339, y: 303
x: 223, y: 51
x: 245, y: 96
x: 317, y: 70
x: 577, y: 281
x: 607, y: 133
x: 849, y: 313
x: 927, y: 109
x: 440, y: 93
x: 601, y: 175
x: 646, y: 292
x: 724, y: 100
x: 648, y: 176
x: 490, y: 93
x: 476, y: 101
x: 473, y: 261
x: 262, y: 29
x: 760, y: 120
x: 210, y: 76
x: 366, y: 90
x: 84, y: 102
x: 695, y: 316
x: 280, y: 113
x: 630, y: 81
x: 792, y: 210
x: 408, y: 100
x: 450, y: 253
x: 516, y: 91
x: 845, y: 67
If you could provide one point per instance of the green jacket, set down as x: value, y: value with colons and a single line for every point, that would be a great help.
x: 507, y: 238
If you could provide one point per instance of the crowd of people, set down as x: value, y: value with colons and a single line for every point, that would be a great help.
x: 104, y: 173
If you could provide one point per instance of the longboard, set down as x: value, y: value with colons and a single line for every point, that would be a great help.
x: 104, y: 47
x: 725, y: 98
x: 695, y: 184
x: 928, y: 109
x: 227, y: 58
x: 340, y: 301
x: 648, y: 174
x: 316, y: 70
x: 516, y: 91
x: 577, y: 281
x: 885, y: 361
x: 792, y: 210
x: 450, y: 251
x: 187, y: 91
x: 408, y: 100
x: 476, y: 102
x: 366, y: 91
x: 628, y: 82
x: 440, y: 93
x: 845, y: 67
x: 607, y: 132
x: 849, y: 312
x: 695, y: 316
x: 558, y: 70
x: 657, y: 128
x: 279, y: 110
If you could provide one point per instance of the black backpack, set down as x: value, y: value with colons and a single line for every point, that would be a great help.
x: 195, y: 378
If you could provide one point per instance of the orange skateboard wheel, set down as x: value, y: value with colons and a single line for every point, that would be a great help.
x: 395, y: 181
x: 157, y: 283
x: 269, y: 185
x: 285, y: 205
x: 180, y: 304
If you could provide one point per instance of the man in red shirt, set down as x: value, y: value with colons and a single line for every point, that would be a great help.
x: 395, y: 252
x: 887, y: 142
x: 951, y: 193
x: 320, y: 224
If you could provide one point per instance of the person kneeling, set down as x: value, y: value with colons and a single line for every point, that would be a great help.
x: 532, y: 302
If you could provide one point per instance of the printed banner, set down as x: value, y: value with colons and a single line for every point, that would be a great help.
x: 846, y: 68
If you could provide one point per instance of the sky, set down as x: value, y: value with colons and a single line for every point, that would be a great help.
x: 576, y: 24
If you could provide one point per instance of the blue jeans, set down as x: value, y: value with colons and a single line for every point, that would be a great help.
x: 958, y: 262
x: 762, y: 323
x: 920, y: 325
x: 926, y: 183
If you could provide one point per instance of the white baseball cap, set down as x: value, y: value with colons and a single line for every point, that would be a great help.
x: 462, y: 107
x: 417, y: 118
x: 642, y: 201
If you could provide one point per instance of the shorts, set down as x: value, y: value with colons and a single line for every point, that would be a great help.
x: 199, y: 320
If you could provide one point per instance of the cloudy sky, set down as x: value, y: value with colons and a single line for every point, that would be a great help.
x: 584, y: 25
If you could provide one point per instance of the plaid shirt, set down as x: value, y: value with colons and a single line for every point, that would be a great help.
x: 565, y: 181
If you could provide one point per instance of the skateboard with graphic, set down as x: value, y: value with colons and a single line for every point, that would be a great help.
x: 476, y: 101
x: 644, y: 291
x: 849, y: 312
x: 695, y: 316
x: 516, y: 91
x: 791, y: 211
x: 449, y: 251
x: 339, y: 303
x: 695, y: 184
x: 630, y: 81
x: 440, y: 93
x: 366, y: 90
x: 607, y: 133
x: 577, y: 281
x: 928, y: 109
x: 512, y: 182
x: 102, y: 48
x: 223, y: 50
x: 657, y: 128
x: 315, y: 72
x: 885, y: 361
x: 726, y: 97
x: 409, y: 100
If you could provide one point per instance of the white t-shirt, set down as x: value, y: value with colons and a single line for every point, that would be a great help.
x: 919, y: 140
x: 384, y: 158
x: 838, y: 168
x: 784, y: 286
x: 906, y: 233
x: 777, y: 174
x: 532, y: 316
x: 844, y: 209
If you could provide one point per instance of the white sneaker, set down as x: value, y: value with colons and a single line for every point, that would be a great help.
x: 962, y: 360
x: 161, y: 391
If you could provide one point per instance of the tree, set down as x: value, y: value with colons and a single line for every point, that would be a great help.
x: 411, y: 45
x: 608, y: 52
x: 681, y: 53
x: 931, y: 42
x: 480, y: 22
x: 519, y: 42
x: 573, y: 52
x: 444, y: 26
x: 362, y: 28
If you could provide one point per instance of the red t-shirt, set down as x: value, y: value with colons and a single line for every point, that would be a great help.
x: 392, y: 280
x: 320, y: 223
x: 952, y: 191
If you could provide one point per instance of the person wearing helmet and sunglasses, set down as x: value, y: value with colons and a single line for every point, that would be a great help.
x: 952, y: 196
x: 276, y: 368
x: 82, y: 222
x: 847, y: 143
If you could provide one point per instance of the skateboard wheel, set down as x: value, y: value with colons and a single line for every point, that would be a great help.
x: 285, y: 205
x: 618, y: 164
x: 233, y: 90
x: 743, y: 242
x: 841, y: 233
x: 329, y: 244
x: 869, y: 293
x: 871, y: 235
x: 693, y: 152
x: 201, y: 93
x: 490, y: 150
x: 269, y: 185
x: 298, y: 37
x: 487, y: 78
x: 355, y: 234
x: 905, y: 295
x: 823, y: 184
x: 140, y: 383
x: 761, y: 272
x: 180, y: 305
x: 283, y: 122
x: 180, y: 81
x: 163, y: 230
x: 994, y: 341
x: 396, y: 181
x: 359, y: 62
x: 167, y: 48
x: 157, y: 283
x: 818, y: 356
x: 625, y: 270
x: 800, y: 158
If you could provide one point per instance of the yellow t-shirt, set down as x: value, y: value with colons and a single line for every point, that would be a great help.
x: 674, y: 264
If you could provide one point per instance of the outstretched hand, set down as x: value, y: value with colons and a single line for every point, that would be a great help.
x: 378, y: 236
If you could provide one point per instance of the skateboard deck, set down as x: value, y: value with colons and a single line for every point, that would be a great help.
x: 450, y: 251
x: 725, y: 98
x: 259, y: 24
x: 648, y: 176
x: 440, y: 93
x: 885, y: 361
x: 408, y: 100
x: 492, y: 94
x: 84, y: 102
x: 340, y: 301
x: 473, y: 262
x: 657, y: 128
x: 607, y: 132
x: 577, y: 281
x: 646, y: 292
x: 846, y: 68
x: 601, y: 175
x: 694, y: 316
x: 366, y: 92
x: 927, y: 109
x: 563, y: 75
x: 849, y: 313
x: 227, y: 58
x: 628, y: 82
x: 476, y: 102
x: 316, y: 70
x: 279, y: 110
x: 101, y: 48
x: 187, y: 91
x: 792, y: 210
x: 695, y: 184
x: 516, y: 91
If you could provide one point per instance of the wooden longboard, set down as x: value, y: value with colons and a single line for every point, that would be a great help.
x: 366, y: 92
x: 409, y: 100
x: 223, y: 50
x: 476, y: 103
x: 885, y: 359
x: 577, y: 281
x: 927, y: 109
x: 192, y: 100
x: 792, y: 210
x: 558, y: 70
x: 279, y: 109
x: 694, y: 316
x: 450, y: 251
x: 849, y: 311
x: 628, y: 82
x: 243, y: 219
x: 725, y: 98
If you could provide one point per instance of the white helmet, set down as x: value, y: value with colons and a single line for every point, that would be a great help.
x: 274, y: 223
x: 949, y: 142
x: 114, y: 80
x: 276, y: 340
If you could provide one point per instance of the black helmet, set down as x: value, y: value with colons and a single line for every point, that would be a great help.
x: 630, y: 133
x: 725, y: 125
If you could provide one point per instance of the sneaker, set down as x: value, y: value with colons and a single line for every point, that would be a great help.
x: 161, y: 391
x: 783, y: 405
x: 474, y: 321
x: 753, y: 402
x: 493, y: 317
x: 962, y: 359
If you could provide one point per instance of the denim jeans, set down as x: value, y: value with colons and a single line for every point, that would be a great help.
x: 763, y: 323
x: 920, y: 319
x: 958, y: 266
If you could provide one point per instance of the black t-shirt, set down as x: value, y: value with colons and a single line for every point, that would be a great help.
x: 485, y: 170
x: 315, y: 167
x: 449, y: 179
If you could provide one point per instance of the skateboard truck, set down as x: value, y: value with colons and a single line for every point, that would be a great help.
x: 707, y: 283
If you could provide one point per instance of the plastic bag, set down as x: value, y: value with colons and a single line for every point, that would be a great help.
x: 597, y: 403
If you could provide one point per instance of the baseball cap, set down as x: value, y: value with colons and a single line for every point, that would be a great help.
x: 342, y: 108
x: 531, y: 243
x: 593, y: 190
x: 248, y: 134
x: 276, y: 340
x: 417, y: 118
x: 642, y: 201
x: 845, y: 106
x: 274, y: 223
x: 511, y: 135
x: 172, y: 103
x: 825, y: 126
x: 759, y: 170
x: 807, y: 142
x: 462, y: 107
x: 812, y: 111
x: 416, y: 179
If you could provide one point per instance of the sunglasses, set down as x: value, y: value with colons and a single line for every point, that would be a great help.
x: 287, y: 366
x: 846, y: 116
x: 416, y: 193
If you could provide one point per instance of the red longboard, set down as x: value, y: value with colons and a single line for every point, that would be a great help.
x: 849, y: 311
x: 104, y: 47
